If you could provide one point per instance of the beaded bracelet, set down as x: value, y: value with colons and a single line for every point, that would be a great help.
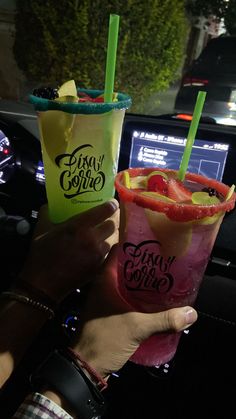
x: 29, y: 301
x: 27, y: 288
x: 95, y: 377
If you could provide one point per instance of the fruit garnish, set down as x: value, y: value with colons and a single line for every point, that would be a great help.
x: 68, y: 89
x: 68, y: 99
x: 177, y: 191
x: 46, y: 92
x: 59, y: 124
x: 91, y: 99
x: 138, y: 182
x: 183, y: 212
x: 203, y: 198
x: 126, y: 179
x: 157, y: 172
x: 230, y: 193
x: 157, y: 181
x: 209, y: 220
x: 174, y: 237
x: 158, y: 196
x: 84, y: 97
x: 211, y: 191
x: 216, y: 217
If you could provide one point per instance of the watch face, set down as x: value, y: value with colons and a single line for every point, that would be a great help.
x: 70, y: 312
x: 71, y: 323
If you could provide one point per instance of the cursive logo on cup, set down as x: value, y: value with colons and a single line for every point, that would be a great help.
x: 81, y: 171
x: 146, y: 270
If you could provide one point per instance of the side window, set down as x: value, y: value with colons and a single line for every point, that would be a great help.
x: 207, y: 59
x: 227, y: 62
x: 219, y: 55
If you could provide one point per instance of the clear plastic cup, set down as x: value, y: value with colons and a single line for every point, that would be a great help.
x: 80, y: 147
x: 163, y: 253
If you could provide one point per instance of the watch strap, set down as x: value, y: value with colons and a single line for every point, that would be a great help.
x: 69, y: 380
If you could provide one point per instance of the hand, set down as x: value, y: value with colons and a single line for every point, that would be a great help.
x: 64, y: 256
x: 112, y: 331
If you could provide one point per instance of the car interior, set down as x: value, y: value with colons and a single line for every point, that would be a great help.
x: 199, y: 381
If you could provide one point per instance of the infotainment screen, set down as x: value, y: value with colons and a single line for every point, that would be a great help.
x: 149, y: 149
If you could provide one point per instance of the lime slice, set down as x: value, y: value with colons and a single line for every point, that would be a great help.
x: 174, y: 237
x: 68, y: 99
x: 203, y: 198
x: 209, y: 220
x: 56, y: 131
x: 158, y: 196
x: 68, y: 89
x: 157, y: 172
x: 126, y: 179
x: 138, y: 182
x: 56, y: 126
x: 230, y: 193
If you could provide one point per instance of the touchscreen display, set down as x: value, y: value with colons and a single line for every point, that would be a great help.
x: 149, y: 149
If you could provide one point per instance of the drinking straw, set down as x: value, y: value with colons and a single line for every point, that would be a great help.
x: 191, y: 134
x: 111, y: 57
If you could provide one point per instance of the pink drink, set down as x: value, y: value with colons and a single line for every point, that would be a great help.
x: 163, y: 253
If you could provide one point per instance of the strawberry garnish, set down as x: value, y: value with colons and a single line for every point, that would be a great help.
x: 83, y: 97
x: 157, y: 182
x: 177, y: 191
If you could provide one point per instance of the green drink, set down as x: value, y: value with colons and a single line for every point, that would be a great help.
x: 80, y: 145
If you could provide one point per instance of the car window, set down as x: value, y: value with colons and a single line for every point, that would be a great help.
x: 167, y: 52
x: 219, y: 55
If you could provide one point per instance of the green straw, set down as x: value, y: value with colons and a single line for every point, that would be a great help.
x: 111, y: 57
x: 191, y: 135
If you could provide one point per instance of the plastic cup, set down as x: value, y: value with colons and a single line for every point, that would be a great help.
x: 80, y: 147
x: 164, y: 249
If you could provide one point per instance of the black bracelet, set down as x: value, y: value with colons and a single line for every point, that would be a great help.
x: 35, y: 293
x: 60, y: 372
x: 29, y: 301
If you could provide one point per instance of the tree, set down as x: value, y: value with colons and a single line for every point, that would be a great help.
x: 58, y: 40
x: 220, y: 9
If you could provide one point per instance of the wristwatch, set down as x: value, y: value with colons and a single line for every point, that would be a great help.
x: 67, y: 378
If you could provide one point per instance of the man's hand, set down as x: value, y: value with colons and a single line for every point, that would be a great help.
x: 112, y: 331
x: 65, y: 256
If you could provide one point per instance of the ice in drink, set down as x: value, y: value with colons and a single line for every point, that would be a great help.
x: 166, y: 237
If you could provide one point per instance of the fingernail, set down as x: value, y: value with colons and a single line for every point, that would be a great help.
x: 114, y: 203
x: 190, y: 317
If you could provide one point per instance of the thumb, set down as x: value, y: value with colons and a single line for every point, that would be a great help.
x: 175, y: 320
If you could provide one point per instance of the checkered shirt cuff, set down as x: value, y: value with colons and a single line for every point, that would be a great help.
x: 38, y: 406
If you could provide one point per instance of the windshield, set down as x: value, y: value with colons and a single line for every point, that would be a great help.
x: 167, y: 52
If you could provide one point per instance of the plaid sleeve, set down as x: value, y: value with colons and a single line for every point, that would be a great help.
x: 39, y: 407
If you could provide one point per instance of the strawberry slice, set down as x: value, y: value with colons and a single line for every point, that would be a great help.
x: 177, y: 191
x: 157, y: 182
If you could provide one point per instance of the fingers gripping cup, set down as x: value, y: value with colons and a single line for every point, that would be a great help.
x: 167, y: 232
x: 80, y: 145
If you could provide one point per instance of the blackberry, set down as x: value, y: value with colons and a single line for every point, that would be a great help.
x: 46, y: 92
x: 211, y: 192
